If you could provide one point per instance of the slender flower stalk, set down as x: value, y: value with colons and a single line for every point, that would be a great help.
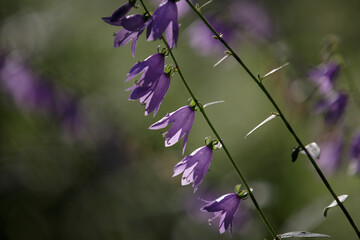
x: 201, y: 108
x: 282, y: 116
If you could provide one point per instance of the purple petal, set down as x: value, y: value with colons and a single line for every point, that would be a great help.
x: 158, y: 94
x: 123, y: 37
x: 133, y: 23
x: 118, y: 15
x: 331, y: 153
x: 164, y: 122
x: 165, y: 14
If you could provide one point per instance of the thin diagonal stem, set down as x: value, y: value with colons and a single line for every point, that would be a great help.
x: 202, y: 110
x: 285, y: 121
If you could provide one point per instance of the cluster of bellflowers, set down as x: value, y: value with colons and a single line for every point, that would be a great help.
x: 332, y: 104
x: 150, y: 89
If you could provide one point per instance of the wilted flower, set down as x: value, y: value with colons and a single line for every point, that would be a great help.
x: 181, y: 120
x: 133, y: 26
x: 151, y: 69
x: 119, y: 14
x: 151, y: 96
x: 355, y: 154
x: 333, y: 107
x: 224, y: 207
x: 324, y: 76
x: 164, y: 18
x: 331, y: 152
x: 194, y: 166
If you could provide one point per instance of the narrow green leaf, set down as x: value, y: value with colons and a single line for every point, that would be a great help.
x: 302, y: 234
x: 342, y: 199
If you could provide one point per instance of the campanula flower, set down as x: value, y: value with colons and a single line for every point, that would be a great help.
x: 164, y: 18
x: 181, y: 120
x: 324, y: 76
x: 224, y: 207
x: 195, y: 166
x: 119, y: 14
x: 331, y: 153
x: 333, y: 106
x: 150, y: 70
x: 151, y: 96
x: 355, y: 154
x: 133, y: 26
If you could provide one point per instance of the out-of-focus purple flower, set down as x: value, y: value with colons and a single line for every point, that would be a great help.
x: 324, y: 76
x: 151, y: 70
x: 151, y: 96
x: 333, y: 107
x: 119, y: 14
x: 31, y: 93
x: 181, y: 120
x: 164, y: 18
x: 195, y: 166
x: 133, y: 26
x: 331, y: 152
x: 252, y: 18
x: 355, y: 154
x: 202, y: 40
x: 224, y: 207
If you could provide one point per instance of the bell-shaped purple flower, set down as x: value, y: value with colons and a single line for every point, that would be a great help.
x: 355, y: 155
x: 181, y: 120
x: 164, y: 18
x: 333, y: 106
x: 151, y: 96
x: 133, y: 26
x: 324, y: 76
x: 195, y: 166
x: 224, y: 207
x: 331, y: 152
x: 151, y: 70
x: 119, y: 14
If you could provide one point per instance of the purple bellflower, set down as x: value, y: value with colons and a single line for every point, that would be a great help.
x: 224, y: 207
x: 331, y: 152
x: 164, y: 18
x: 119, y: 14
x: 150, y: 69
x: 355, y: 155
x: 151, y: 96
x: 195, y: 166
x: 324, y: 76
x: 133, y: 26
x: 181, y: 120
x: 333, y: 106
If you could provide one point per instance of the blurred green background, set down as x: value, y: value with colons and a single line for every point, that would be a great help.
x: 109, y: 177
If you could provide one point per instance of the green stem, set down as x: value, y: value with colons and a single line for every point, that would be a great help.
x: 285, y: 121
x: 261, y: 213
